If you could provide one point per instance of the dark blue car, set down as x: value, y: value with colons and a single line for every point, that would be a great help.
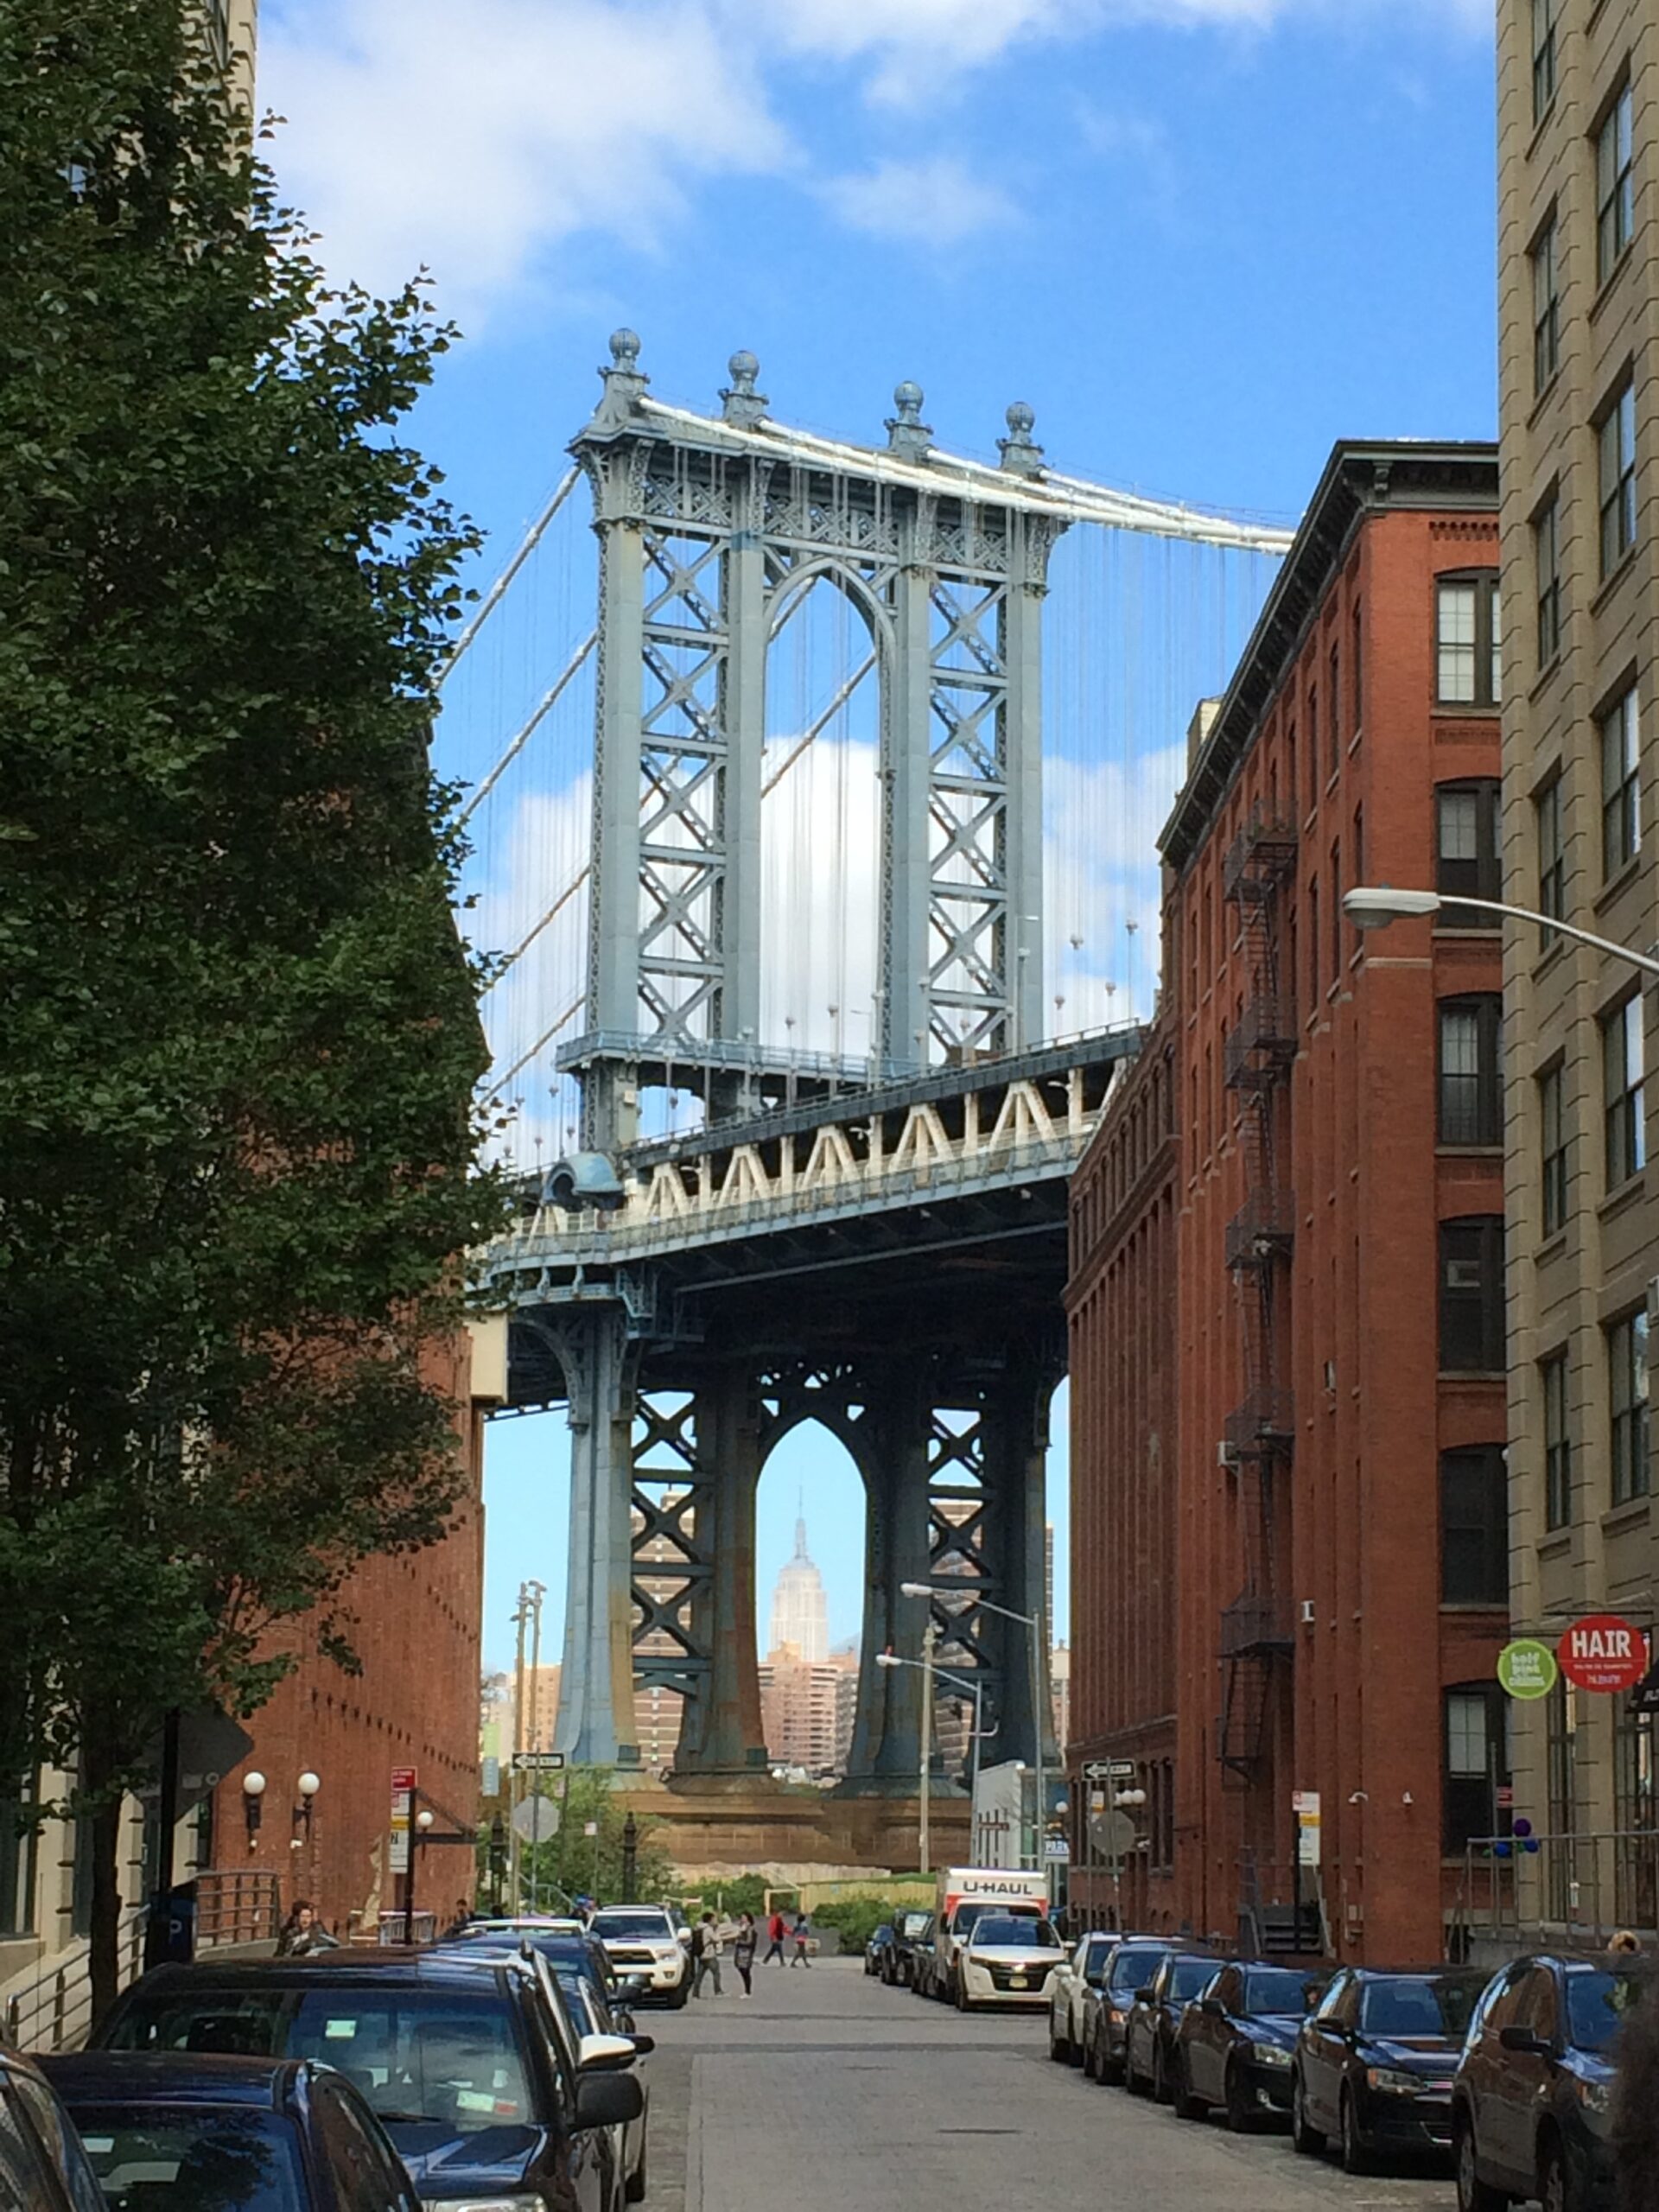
x: 1233, y: 2047
x: 461, y: 2060
x: 228, y: 2134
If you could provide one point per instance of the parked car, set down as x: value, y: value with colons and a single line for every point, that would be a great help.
x: 1234, y: 2045
x: 924, y: 1958
x: 643, y: 1939
x: 1006, y: 1961
x: 217, y: 2134
x: 1155, y: 2015
x: 593, y: 2018
x: 462, y: 2059
x: 42, y: 2163
x: 908, y: 1930
x: 1084, y: 1970
x: 1106, y: 2010
x: 1530, y: 2102
x: 880, y: 1942
x: 1374, y: 2062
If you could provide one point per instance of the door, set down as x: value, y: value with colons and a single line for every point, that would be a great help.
x: 1325, y: 2044
x: 1206, y: 2040
x: 1521, y: 2078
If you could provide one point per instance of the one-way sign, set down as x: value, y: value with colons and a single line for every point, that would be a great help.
x: 537, y: 1761
x: 1108, y: 1770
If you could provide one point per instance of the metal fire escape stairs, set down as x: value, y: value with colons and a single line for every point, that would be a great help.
x: 1255, y: 1637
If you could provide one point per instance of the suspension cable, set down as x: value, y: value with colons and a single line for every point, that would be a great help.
x: 498, y: 590
x: 544, y: 708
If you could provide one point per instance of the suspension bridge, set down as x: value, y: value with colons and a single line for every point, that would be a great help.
x: 798, y: 846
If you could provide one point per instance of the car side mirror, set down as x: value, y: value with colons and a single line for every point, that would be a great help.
x: 1143, y: 1995
x: 644, y: 2045
x: 608, y: 2101
x: 1210, y: 2007
x: 1522, y: 2039
x: 605, y: 2053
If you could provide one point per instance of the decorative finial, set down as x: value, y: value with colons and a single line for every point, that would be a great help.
x: 625, y: 382
x: 744, y: 405
x: 906, y: 432
x: 1019, y: 450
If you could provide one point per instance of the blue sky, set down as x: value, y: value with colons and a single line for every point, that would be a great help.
x: 1201, y: 238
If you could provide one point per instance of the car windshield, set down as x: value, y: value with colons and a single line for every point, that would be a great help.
x: 200, y: 2160
x: 1275, y: 1989
x: 1095, y: 1958
x: 1188, y: 1976
x: 416, y: 2053
x: 914, y: 1924
x: 1002, y: 1930
x: 1419, y: 2005
x: 1132, y: 1964
x: 613, y: 1922
x: 1597, y: 2002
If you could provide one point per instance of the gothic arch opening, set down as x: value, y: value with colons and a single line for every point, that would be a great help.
x: 808, y: 1553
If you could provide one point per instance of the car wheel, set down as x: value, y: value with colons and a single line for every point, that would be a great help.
x: 1092, y: 2061
x: 678, y: 1996
x: 1241, y: 2114
x: 961, y: 1994
x: 1473, y: 2194
x: 1355, y: 2157
x: 1308, y: 2142
x: 634, y: 2190
x: 1060, y: 2047
x: 1133, y: 2079
x: 1555, y: 2191
x: 1187, y: 2107
x: 1112, y: 2070
x: 1159, y: 2076
x: 1073, y: 2047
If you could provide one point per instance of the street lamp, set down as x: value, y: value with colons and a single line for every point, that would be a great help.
x: 1373, y: 906
x: 309, y: 1784
x: 253, y: 1788
x: 975, y: 1690
x: 1038, y: 1688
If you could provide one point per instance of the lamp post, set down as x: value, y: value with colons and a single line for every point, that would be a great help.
x: 975, y: 1690
x: 253, y: 1788
x: 1039, y: 1690
x: 1374, y: 906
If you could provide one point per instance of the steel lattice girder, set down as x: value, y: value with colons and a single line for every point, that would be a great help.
x: 668, y: 1485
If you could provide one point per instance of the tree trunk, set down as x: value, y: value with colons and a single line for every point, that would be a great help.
x: 104, y: 1947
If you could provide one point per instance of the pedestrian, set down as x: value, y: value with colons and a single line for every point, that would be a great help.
x: 463, y: 1920
x: 803, y: 1933
x: 743, y: 1952
x: 303, y: 1932
x: 705, y: 1955
x: 774, y: 1939
x: 1635, y: 2105
x: 1624, y: 1943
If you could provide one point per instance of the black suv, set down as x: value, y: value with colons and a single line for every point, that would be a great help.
x: 1530, y: 2102
x: 462, y: 2063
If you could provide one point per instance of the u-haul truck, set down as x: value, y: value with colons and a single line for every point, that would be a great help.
x: 961, y: 1895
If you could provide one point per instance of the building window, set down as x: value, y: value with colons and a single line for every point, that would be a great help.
x: 1623, y: 1089
x: 1552, y: 852
x: 1552, y: 1142
x: 1543, y: 58
x: 1471, y: 1080
x: 1547, y: 565
x: 1615, y: 187
x: 1314, y: 982
x: 1472, y: 1295
x: 1333, y: 707
x: 1616, y: 445
x: 1356, y: 658
x: 1621, y: 812
x: 1560, y: 1784
x: 1627, y: 1403
x: 1476, y: 1763
x: 1469, y: 858
x: 1558, y: 1442
x: 1474, y: 1527
x: 1468, y: 641
x: 1313, y: 744
x: 1636, y: 1894
x: 1336, y: 912
x: 1546, y: 309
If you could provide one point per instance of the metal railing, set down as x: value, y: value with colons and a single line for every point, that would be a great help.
x: 54, y: 2011
x: 236, y: 1904
x: 1568, y: 1889
x: 389, y: 1928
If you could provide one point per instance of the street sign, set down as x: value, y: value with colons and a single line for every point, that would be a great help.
x: 537, y: 1819
x: 1305, y: 1803
x: 1108, y: 1770
x: 1112, y: 1834
x: 403, y: 1806
x: 1527, y: 1668
x: 1057, y: 1850
x: 489, y: 1777
x: 537, y: 1761
x: 590, y: 1828
x: 1604, y: 1652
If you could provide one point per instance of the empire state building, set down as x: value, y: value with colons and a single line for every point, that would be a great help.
x: 800, y: 1615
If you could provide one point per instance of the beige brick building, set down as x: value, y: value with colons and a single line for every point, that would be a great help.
x: 1578, y: 143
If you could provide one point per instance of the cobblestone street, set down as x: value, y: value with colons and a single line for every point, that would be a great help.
x: 828, y: 2093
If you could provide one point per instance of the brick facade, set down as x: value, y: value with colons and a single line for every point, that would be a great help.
x: 1318, y: 1641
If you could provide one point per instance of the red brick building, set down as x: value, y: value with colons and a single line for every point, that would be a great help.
x: 418, y: 1625
x: 1339, y: 1527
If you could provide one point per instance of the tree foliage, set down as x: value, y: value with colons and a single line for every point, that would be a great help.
x: 237, y: 1128
x: 582, y: 1865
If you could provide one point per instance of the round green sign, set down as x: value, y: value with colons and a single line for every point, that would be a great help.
x: 1527, y: 1668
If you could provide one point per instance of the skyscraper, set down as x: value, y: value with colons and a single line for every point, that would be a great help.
x: 800, y: 1615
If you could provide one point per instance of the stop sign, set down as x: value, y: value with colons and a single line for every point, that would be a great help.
x: 1604, y: 1652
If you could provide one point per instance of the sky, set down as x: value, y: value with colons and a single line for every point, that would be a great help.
x: 1203, y: 239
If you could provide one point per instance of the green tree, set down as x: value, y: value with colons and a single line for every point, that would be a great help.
x: 582, y: 1865
x: 236, y: 1123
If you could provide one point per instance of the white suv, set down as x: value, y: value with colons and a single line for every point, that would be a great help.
x: 641, y: 1939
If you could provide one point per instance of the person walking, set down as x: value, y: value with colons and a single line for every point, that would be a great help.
x: 303, y: 1932
x: 705, y: 1953
x: 774, y: 1939
x: 803, y: 1936
x: 743, y: 1949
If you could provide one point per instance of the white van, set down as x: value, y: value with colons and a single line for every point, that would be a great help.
x: 962, y: 1896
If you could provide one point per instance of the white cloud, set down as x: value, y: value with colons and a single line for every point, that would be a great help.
x: 936, y: 202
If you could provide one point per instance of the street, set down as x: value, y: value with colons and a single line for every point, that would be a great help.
x: 828, y: 2093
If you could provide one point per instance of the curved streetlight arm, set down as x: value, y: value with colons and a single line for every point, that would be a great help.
x: 967, y: 1590
x: 1368, y: 909
x: 943, y: 1674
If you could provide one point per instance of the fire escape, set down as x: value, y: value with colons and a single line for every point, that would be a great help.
x: 1256, y: 1633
